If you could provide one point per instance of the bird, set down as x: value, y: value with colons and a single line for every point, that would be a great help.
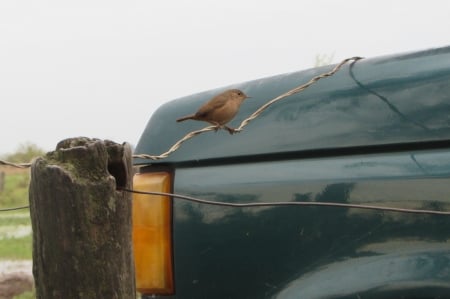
x: 219, y: 110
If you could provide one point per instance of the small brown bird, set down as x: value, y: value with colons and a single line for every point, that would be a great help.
x: 220, y: 109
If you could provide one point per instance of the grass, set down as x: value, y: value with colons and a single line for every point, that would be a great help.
x: 15, y: 218
x: 26, y: 295
x: 13, y: 194
x: 15, y: 189
x: 14, y: 244
x: 16, y: 248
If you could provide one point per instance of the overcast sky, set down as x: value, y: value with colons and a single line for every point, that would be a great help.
x: 101, y: 68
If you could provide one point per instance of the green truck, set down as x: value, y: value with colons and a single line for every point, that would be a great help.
x: 376, y: 133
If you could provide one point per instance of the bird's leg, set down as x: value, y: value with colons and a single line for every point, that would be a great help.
x: 218, y: 126
x: 230, y: 130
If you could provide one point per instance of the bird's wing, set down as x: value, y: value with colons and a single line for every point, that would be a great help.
x: 212, y: 105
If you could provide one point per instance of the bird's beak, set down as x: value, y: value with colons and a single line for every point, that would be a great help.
x: 248, y: 97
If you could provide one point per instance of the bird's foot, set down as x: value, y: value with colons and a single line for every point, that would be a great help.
x: 231, y: 130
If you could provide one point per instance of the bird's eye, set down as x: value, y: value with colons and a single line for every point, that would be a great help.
x: 239, y: 93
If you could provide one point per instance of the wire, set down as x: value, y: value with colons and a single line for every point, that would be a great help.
x: 289, y: 203
x: 273, y: 204
x: 245, y: 122
x: 13, y: 209
x: 296, y: 90
x: 17, y: 165
x: 255, y: 114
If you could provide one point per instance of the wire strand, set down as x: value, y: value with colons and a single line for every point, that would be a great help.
x: 254, y: 115
x: 244, y: 123
x: 272, y: 204
x: 294, y: 91
x: 17, y: 165
x: 289, y: 203
x: 14, y: 208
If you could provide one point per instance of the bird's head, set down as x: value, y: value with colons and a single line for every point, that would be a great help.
x: 238, y: 95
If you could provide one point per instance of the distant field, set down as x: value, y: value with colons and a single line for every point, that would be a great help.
x: 15, y: 226
x: 15, y: 236
x: 14, y: 191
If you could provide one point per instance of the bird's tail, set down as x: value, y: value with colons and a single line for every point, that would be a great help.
x: 191, y: 116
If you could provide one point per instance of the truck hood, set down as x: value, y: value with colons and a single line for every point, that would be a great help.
x: 393, y: 99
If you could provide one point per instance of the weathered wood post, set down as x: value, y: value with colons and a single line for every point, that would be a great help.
x: 81, y: 224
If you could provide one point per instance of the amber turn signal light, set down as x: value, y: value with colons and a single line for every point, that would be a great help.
x: 152, y: 229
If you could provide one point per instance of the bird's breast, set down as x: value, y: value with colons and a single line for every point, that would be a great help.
x: 225, y: 113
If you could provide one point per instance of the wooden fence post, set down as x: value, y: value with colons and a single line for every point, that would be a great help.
x: 81, y: 224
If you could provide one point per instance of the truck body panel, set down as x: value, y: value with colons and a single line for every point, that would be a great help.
x: 376, y: 133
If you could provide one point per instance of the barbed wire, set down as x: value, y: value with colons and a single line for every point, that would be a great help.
x: 295, y: 90
x: 244, y: 123
x: 177, y: 145
x: 288, y: 203
x: 17, y: 165
x: 255, y: 114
